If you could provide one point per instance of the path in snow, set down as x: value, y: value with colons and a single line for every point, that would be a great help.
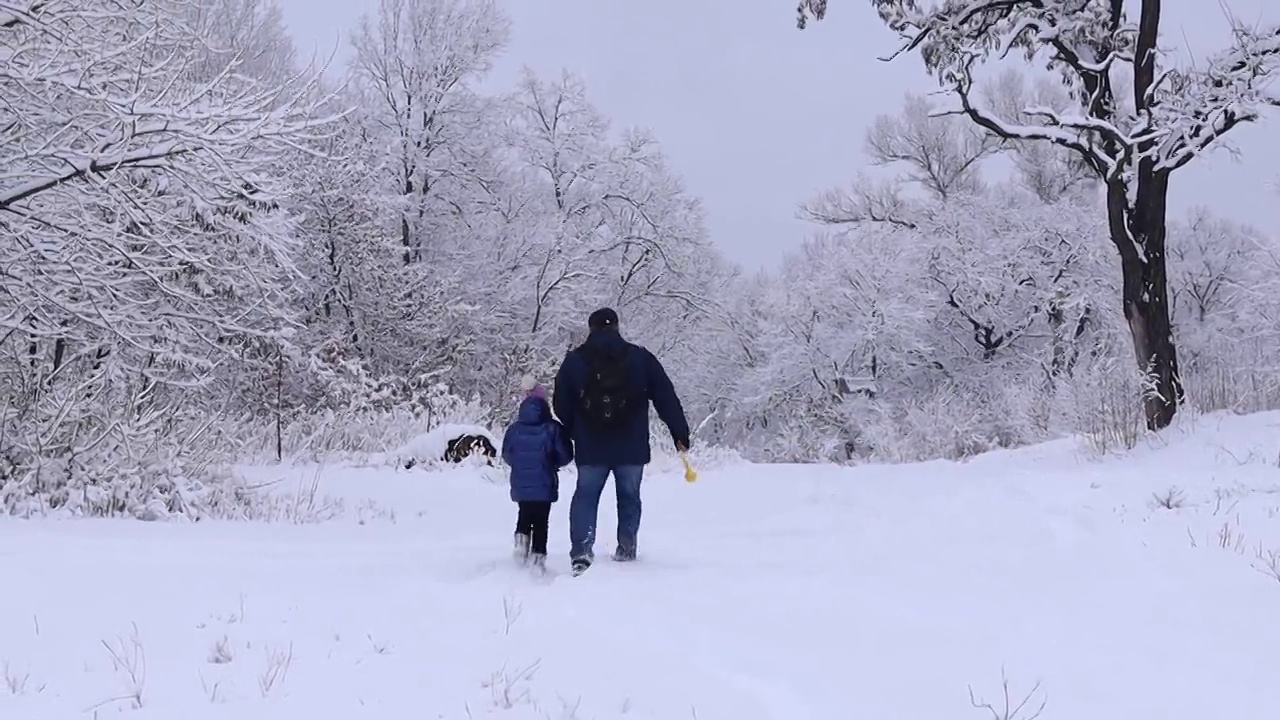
x: 771, y: 593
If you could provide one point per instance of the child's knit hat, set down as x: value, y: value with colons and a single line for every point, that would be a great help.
x: 531, y: 388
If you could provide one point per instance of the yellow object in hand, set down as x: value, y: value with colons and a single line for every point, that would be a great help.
x: 689, y: 474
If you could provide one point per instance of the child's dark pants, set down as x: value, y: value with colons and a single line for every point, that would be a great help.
x: 532, y: 521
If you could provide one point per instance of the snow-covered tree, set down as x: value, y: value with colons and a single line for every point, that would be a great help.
x: 414, y: 67
x: 607, y: 223
x: 249, y: 33
x: 562, y: 150
x: 1002, y: 262
x: 847, y: 327
x: 140, y: 232
x: 1011, y: 270
x: 1225, y: 297
x: 422, y: 137
x: 1006, y: 281
x: 1132, y: 144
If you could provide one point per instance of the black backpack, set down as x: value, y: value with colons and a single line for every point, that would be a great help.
x: 607, y: 398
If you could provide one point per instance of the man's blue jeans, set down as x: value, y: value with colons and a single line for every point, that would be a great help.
x: 585, y: 507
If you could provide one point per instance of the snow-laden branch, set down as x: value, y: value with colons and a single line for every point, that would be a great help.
x: 140, y: 190
x: 863, y: 201
x: 1175, y: 114
x: 1195, y: 108
x: 136, y: 103
x: 14, y: 13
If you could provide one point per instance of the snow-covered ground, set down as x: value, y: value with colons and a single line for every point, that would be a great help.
x: 762, y: 592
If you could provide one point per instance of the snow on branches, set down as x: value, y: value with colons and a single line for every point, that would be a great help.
x: 1172, y: 114
x: 816, y: 9
x: 144, y: 103
x: 125, y: 151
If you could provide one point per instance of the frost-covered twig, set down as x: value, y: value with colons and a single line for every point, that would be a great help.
x: 1009, y: 708
x: 220, y: 653
x: 511, y: 610
x: 1172, y: 499
x: 1268, y: 563
x: 15, y: 682
x: 508, y: 689
x: 277, y: 669
x: 129, y: 661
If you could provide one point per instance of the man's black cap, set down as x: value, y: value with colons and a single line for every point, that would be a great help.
x: 603, y: 318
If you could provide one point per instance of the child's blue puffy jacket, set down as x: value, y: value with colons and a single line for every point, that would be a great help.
x: 535, y: 447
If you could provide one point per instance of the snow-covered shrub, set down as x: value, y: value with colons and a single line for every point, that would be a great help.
x: 127, y: 474
x: 953, y: 422
x: 364, y: 427
x: 1102, y: 403
x: 125, y: 457
x: 702, y: 456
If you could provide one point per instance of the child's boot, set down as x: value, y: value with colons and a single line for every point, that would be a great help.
x: 538, y: 561
x: 521, y: 549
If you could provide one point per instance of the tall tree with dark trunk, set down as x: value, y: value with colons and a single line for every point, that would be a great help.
x: 1133, y: 141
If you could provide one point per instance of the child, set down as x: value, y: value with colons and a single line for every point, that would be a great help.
x: 535, y: 447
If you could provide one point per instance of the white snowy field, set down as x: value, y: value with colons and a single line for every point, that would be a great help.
x: 787, y: 593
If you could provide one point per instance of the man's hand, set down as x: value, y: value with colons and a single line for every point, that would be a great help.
x: 682, y: 444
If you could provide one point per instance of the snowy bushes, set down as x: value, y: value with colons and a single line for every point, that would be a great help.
x: 122, y: 453
x: 1103, y: 407
x: 127, y: 470
x: 357, y: 415
x: 373, y: 419
x: 166, y: 487
x: 948, y: 423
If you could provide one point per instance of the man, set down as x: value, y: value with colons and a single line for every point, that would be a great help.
x: 602, y: 396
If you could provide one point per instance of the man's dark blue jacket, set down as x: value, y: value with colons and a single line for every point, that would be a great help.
x: 628, y: 444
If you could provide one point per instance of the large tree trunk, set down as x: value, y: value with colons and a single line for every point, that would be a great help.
x: 1139, y: 234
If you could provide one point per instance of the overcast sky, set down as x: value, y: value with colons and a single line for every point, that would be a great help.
x: 757, y: 116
